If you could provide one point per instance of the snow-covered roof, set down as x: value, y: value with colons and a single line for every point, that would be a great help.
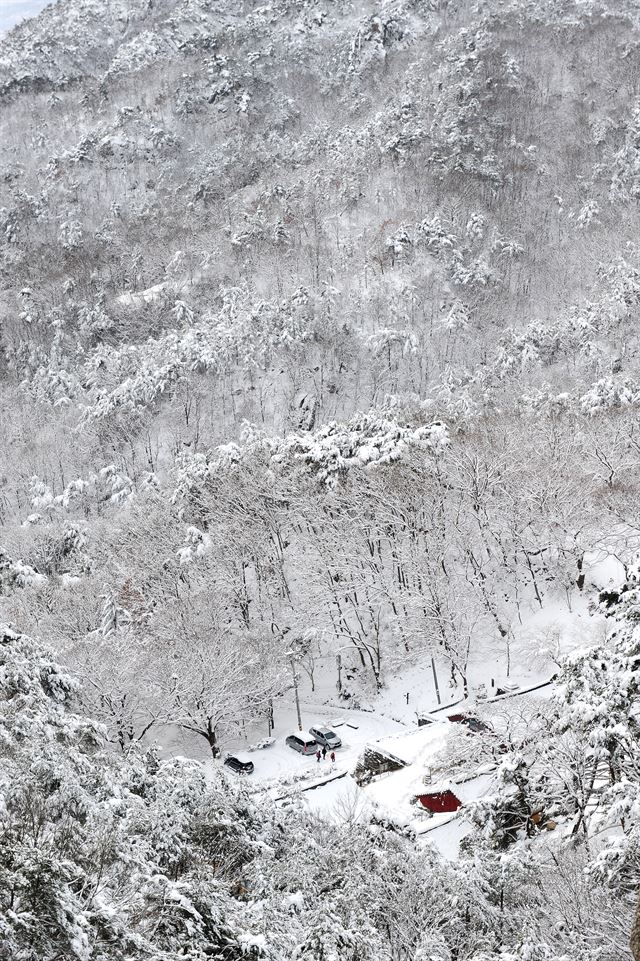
x: 415, y: 745
x: 438, y: 787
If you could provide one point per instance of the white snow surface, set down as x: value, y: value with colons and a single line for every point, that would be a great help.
x: 328, y: 790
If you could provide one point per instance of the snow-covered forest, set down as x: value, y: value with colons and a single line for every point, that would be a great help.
x: 320, y: 404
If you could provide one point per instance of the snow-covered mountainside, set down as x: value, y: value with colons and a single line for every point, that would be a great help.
x: 320, y: 407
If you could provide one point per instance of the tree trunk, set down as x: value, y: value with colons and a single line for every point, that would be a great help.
x: 635, y: 934
x: 212, y: 741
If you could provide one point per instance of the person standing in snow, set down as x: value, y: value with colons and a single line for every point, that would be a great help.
x: 318, y: 755
x: 324, y: 752
x: 333, y: 757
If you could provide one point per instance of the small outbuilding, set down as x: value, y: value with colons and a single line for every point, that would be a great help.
x: 439, y: 799
x: 375, y: 761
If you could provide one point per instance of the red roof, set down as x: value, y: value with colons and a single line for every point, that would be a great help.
x: 440, y: 802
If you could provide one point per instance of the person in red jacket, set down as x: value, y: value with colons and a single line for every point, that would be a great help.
x: 333, y: 757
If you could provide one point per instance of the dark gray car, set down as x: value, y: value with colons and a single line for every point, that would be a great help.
x: 239, y: 763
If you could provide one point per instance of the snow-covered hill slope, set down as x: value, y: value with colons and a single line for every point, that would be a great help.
x: 320, y: 383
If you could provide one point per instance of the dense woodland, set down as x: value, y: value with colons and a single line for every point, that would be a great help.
x: 318, y: 331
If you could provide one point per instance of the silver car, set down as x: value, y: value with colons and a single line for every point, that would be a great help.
x: 302, y: 742
x: 325, y: 736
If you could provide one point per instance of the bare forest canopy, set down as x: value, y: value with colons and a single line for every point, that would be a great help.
x: 319, y: 326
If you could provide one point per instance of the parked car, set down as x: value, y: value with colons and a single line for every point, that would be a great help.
x: 302, y: 742
x: 324, y: 735
x: 474, y: 724
x: 239, y: 763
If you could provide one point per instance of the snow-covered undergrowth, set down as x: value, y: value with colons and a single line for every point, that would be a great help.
x: 319, y: 392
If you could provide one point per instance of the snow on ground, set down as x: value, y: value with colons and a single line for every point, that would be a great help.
x: 338, y: 801
x: 603, y: 570
x: 475, y: 787
x: 285, y: 776
x: 553, y: 631
x: 418, y: 746
x: 328, y: 790
x: 389, y: 720
x: 355, y: 728
x: 394, y: 793
x: 278, y: 762
x: 446, y: 837
x: 142, y: 297
x: 544, y: 635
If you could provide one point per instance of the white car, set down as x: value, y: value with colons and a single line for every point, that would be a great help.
x: 325, y: 736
